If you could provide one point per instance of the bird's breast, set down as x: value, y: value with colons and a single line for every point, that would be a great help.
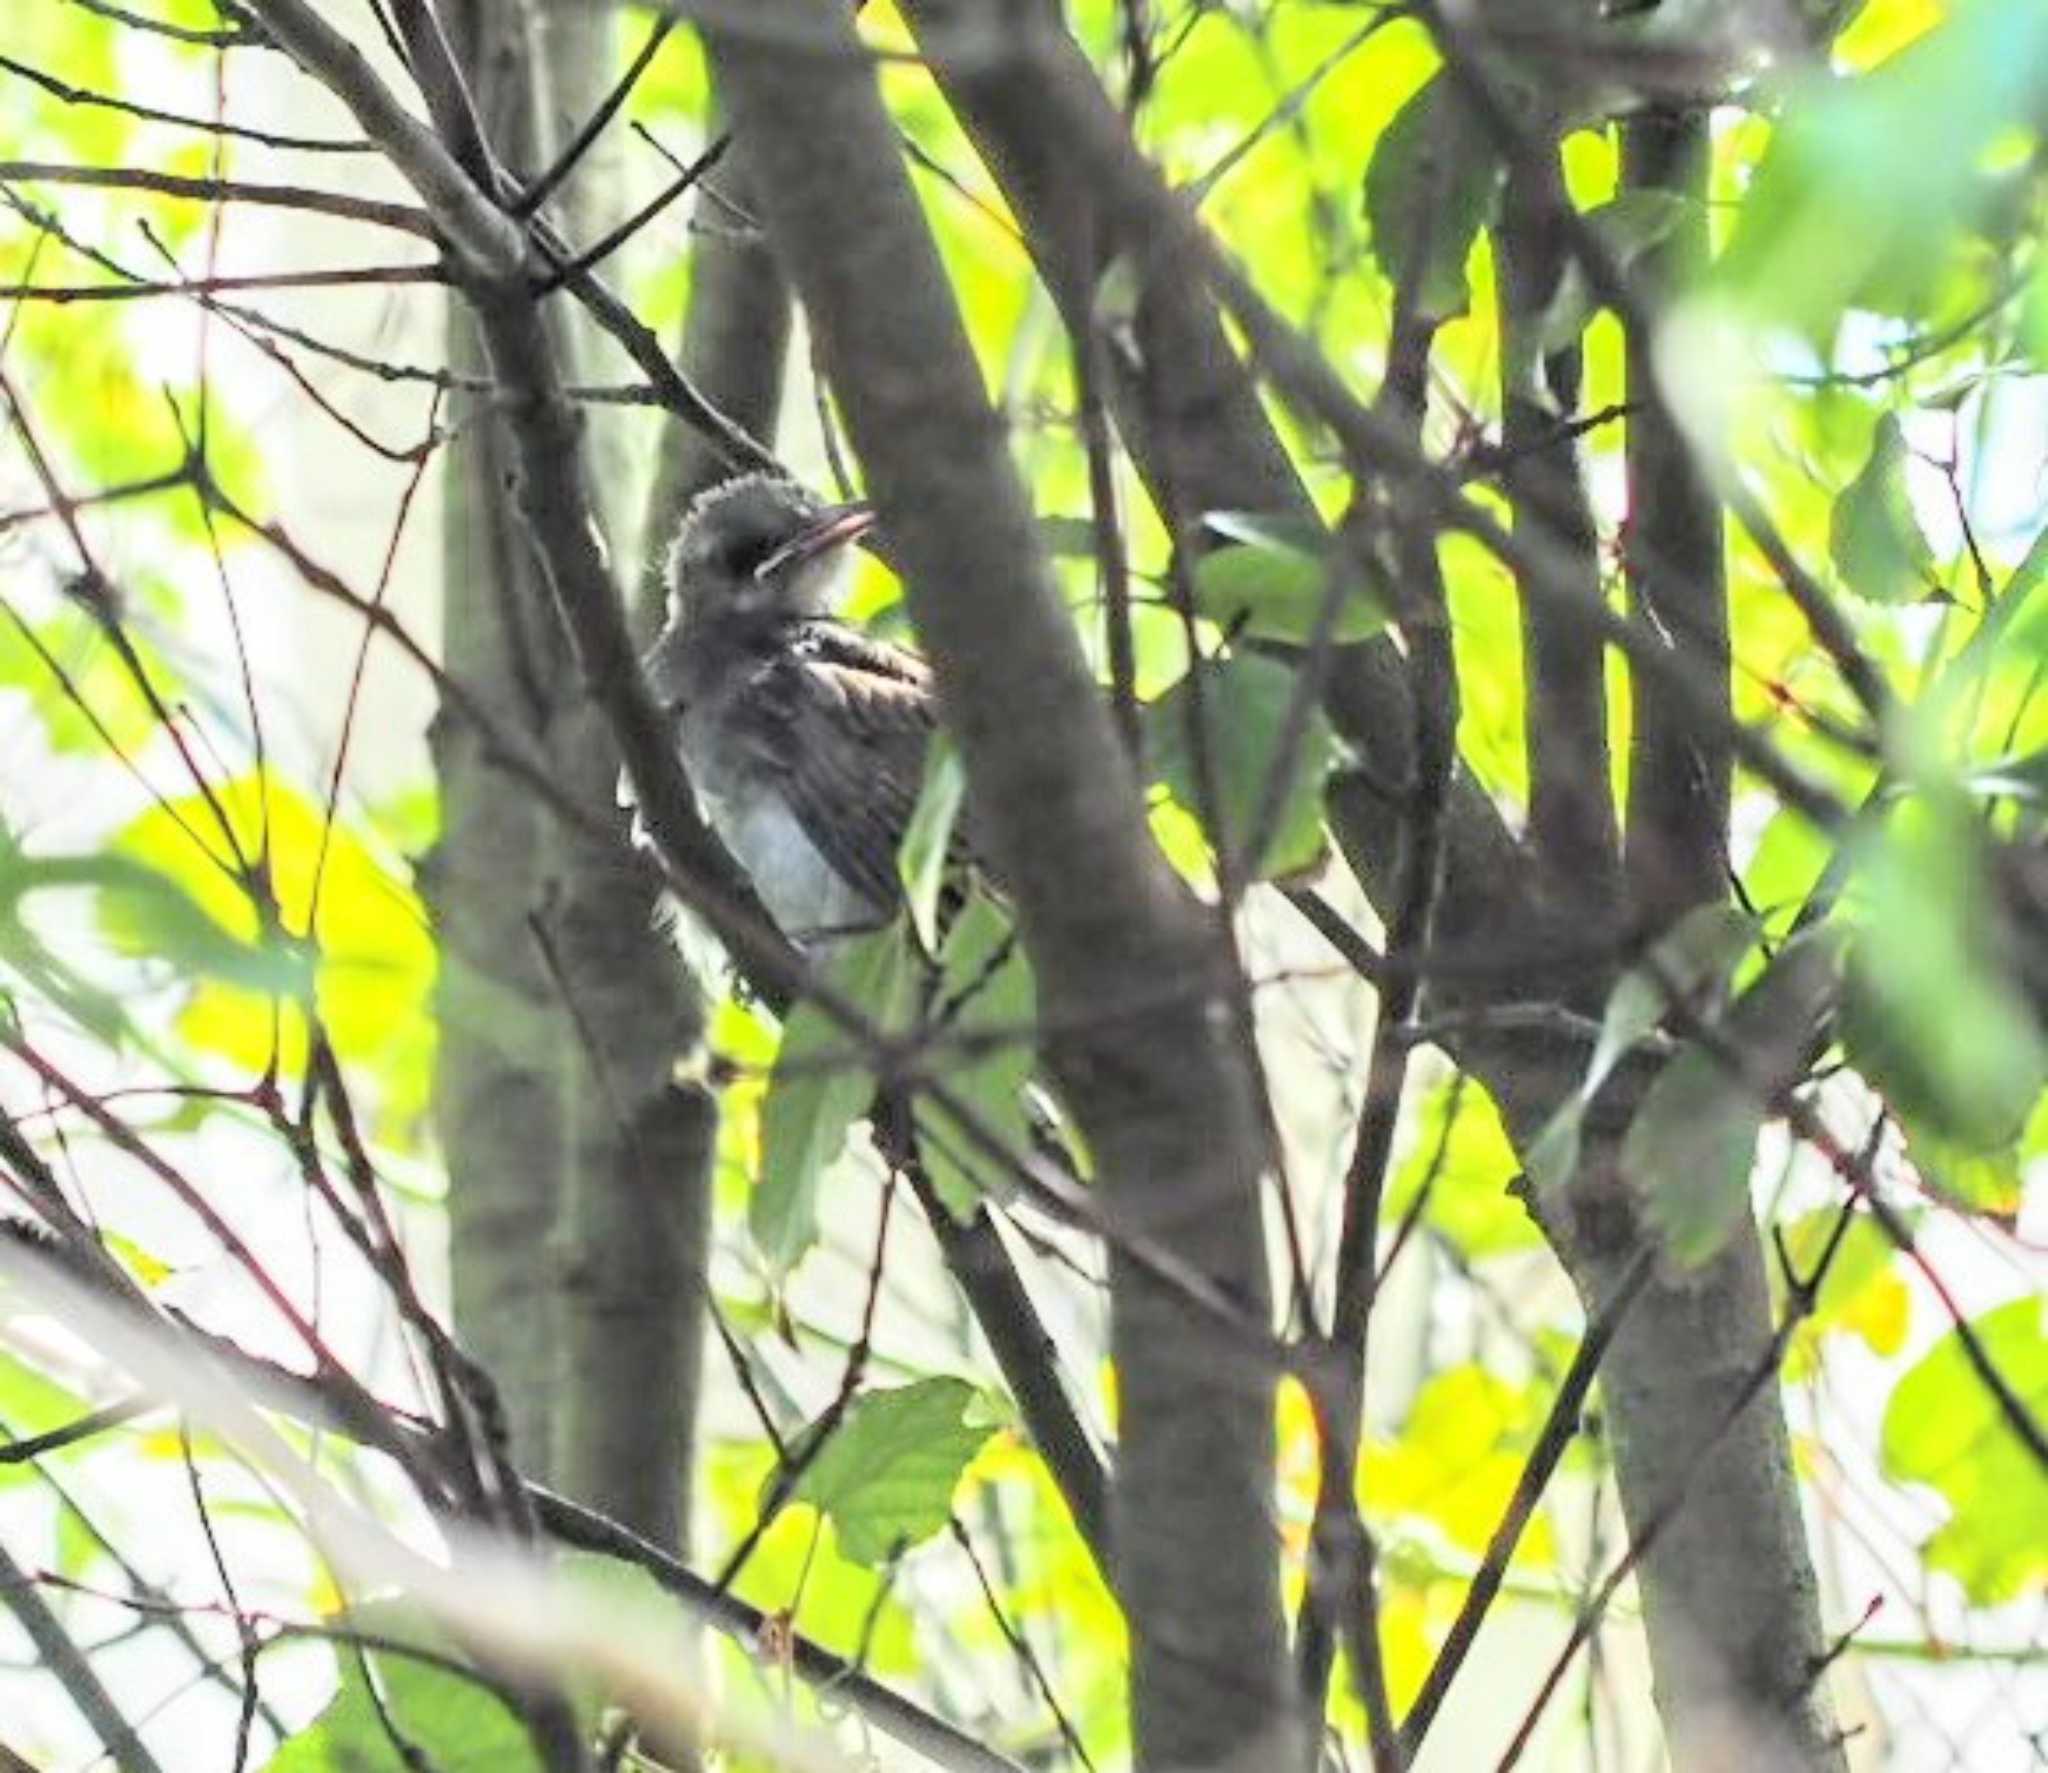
x: 804, y: 893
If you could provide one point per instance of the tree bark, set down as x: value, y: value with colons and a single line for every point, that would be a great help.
x: 1053, y: 139
x: 1165, y: 1100
x: 579, y: 1168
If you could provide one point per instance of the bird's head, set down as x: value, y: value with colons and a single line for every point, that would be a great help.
x: 759, y: 546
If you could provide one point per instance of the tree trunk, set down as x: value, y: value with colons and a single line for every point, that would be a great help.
x: 1163, y: 1096
x: 579, y: 1167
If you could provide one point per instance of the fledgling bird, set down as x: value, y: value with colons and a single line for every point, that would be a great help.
x: 805, y: 738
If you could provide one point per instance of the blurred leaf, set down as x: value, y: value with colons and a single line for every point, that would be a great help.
x: 1862, y: 193
x: 1690, y: 1146
x: 1862, y: 1294
x: 1244, y: 703
x: 1272, y: 582
x: 1932, y: 1016
x: 1431, y: 186
x: 886, y: 1476
x: 457, y: 1724
x: 1467, y: 1166
x: 1070, y: 536
x: 921, y: 857
x: 81, y: 692
x: 375, y: 955
x: 32, y: 1403
x: 819, y: 1088
x: 1944, y: 1428
x: 1691, y: 963
x: 150, y: 916
x: 1630, y: 224
x: 986, y: 987
x: 1457, y: 1458
x: 1692, y: 1143
x: 1874, y: 538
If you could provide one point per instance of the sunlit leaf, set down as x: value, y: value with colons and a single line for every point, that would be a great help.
x: 1431, y: 186
x: 1932, y: 1016
x: 1943, y: 1427
x: 1467, y: 1167
x: 1862, y: 1294
x: 1243, y: 705
x: 800, y: 1565
x: 1273, y: 581
x: 374, y: 960
x: 887, y: 1474
x: 1457, y: 1457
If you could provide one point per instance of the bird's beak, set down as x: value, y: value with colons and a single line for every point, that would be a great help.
x: 832, y: 528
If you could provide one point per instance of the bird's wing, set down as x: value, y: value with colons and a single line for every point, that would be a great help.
x: 842, y: 723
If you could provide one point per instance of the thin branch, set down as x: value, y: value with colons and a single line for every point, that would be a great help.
x: 84, y: 96
x: 62, y: 1659
x: 195, y: 34
x: 350, y: 277
x: 545, y: 186
x: 218, y: 190
x: 889, y: 1712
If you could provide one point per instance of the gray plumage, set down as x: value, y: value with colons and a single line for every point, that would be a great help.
x: 805, y: 739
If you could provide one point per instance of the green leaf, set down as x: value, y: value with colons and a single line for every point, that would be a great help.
x: 820, y: 1086
x: 1932, y: 1017
x: 1690, y: 965
x: 458, y: 1725
x: 1431, y: 186
x: 1272, y: 582
x: 886, y: 1476
x: 921, y: 857
x: 1553, y: 1157
x: 1693, y: 961
x: 1945, y: 1429
x: 1631, y: 224
x: 986, y: 988
x: 1243, y: 704
x: 1874, y: 538
x: 1859, y: 201
x: 1691, y: 1144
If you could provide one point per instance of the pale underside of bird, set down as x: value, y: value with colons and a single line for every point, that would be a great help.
x: 804, y: 738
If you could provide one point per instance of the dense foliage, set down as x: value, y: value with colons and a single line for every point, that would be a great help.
x: 224, y: 399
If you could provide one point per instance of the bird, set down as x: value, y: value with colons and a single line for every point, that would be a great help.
x: 804, y: 738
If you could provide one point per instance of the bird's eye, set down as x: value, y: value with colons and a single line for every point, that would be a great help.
x: 746, y: 555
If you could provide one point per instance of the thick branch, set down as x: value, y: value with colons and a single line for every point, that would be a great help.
x: 1677, y: 578
x: 1571, y: 798
x: 1166, y: 1103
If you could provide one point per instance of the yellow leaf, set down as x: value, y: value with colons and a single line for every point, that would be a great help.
x: 375, y: 951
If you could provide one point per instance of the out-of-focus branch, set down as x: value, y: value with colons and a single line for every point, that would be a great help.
x: 1678, y: 777
x: 60, y: 1657
x: 1571, y: 796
